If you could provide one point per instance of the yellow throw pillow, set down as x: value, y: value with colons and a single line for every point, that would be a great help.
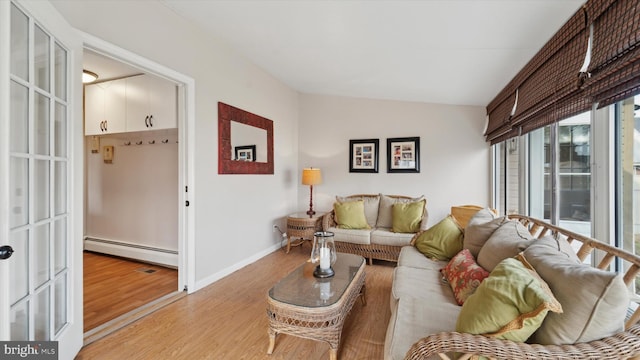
x: 442, y: 241
x: 406, y: 217
x: 510, y: 304
x: 350, y: 215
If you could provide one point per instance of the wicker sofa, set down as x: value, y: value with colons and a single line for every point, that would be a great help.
x: 424, y: 310
x: 378, y: 241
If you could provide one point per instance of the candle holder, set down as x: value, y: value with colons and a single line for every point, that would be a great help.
x: 323, y: 254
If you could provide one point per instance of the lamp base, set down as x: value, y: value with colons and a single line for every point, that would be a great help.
x: 323, y: 273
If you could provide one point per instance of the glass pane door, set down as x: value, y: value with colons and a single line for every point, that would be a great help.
x: 38, y: 186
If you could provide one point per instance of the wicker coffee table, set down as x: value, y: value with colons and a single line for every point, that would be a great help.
x: 304, y: 306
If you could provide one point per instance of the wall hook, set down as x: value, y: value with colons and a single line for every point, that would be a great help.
x: 152, y: 142
x: 165, y: 141
x: 127, y: 143
x: 139, y: 142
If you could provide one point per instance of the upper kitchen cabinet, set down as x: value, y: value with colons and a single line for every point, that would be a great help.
x: 151, y: 103
x: 105, y: 107
x: 136, y: 103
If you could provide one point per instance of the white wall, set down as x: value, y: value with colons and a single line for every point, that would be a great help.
x: 454, y: 157
x: 233, y: 213
x: 133, y: 199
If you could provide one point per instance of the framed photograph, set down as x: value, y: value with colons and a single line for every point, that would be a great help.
x: 363, y: 156
x: 245, y: 153
x: 403, y: 155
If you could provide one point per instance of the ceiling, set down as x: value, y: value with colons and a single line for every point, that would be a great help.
x: 459, y: 52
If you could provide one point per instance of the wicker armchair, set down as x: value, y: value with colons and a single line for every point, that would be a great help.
x: 624, y: 345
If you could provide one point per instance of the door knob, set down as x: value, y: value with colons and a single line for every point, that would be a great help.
x: 5, y: 252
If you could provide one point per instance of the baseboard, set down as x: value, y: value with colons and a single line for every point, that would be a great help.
x: 133, y: 251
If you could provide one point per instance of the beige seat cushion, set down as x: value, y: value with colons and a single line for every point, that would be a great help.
x: 594, y: 301
x: 388, y: 237
x: 411, y: 257
x: 354, y: 236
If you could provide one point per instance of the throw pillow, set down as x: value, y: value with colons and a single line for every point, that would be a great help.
x: 595, y: 301
x: 477, y: 233
x: 506, y: 241
x: 510, y: 304
x: 350, y: 215
x: 385, y: 212
x: 407, y: 216
x: 463, y: 275
x: 442, y: 241
x: 371, y: 204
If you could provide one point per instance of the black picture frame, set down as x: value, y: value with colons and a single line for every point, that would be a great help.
x: 403, y: 155
x: 363, y: 155
x: 245, y: 153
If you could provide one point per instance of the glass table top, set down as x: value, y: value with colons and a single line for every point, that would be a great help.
x: 301, y: 288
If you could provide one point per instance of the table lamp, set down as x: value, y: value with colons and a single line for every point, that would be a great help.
x: 311, y: 176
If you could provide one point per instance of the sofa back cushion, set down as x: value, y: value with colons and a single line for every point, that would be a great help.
x: 594, y: 301
x: 506, y: 241
x: 350, y: 215
x: 479, y: 230
x: 371, y: 204
x: 407, y: 216
x: 385, y: 211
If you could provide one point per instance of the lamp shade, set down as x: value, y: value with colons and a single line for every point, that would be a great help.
x: 311, y: 176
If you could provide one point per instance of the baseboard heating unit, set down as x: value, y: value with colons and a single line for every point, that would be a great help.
x: 144, y: 253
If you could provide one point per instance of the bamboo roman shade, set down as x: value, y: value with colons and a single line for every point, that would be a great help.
x: 555, y: 84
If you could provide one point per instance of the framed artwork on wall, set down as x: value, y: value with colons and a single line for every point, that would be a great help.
x: 363, y: 155
x: 245, y: 153
x: 403, y: 155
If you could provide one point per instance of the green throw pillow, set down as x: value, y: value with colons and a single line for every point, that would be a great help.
x: 442, y: 241
x: 350, y: 215
x: 407, y: 217
x: 510, y: 304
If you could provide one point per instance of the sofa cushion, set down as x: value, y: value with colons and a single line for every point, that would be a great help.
x: 510, y: 304
x: 422, y: 284
x: 594, y: 303
x: 388, y: 237
x: 385, y: 211
x: 411, y: 257
x: 413, y: 319
x: 371, y: 205
x: 442, y: 241
x: 353, y: 236
x: 463, y: 275
x: 506, y: 241
x: 406, y: 217
x: 478, y: 231
x: 350, y: 215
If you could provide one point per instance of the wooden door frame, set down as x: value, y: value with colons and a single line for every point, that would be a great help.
x: 186, y: 151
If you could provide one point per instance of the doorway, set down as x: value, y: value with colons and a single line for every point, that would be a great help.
x: 146, y: 257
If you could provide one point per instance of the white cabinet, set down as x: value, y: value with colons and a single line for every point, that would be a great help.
x: 137, y: 103
x: 151, y: 103
x: 105, y: 107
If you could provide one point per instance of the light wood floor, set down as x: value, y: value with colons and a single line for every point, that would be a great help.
x: 228, y: 320
x: 115, y: 286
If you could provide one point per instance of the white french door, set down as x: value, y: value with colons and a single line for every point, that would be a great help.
x: 40, y: 137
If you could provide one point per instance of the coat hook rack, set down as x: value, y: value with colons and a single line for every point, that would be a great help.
x: 139, y: 142
x: 152, y: 142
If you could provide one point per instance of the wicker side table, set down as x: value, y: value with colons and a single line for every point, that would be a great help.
x: 301, y: 227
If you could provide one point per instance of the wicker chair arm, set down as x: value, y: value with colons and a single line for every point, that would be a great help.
x: 623, y: 345
x: 328, y: 220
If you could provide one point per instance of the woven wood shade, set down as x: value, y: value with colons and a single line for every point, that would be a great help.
x: 551, y: 87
